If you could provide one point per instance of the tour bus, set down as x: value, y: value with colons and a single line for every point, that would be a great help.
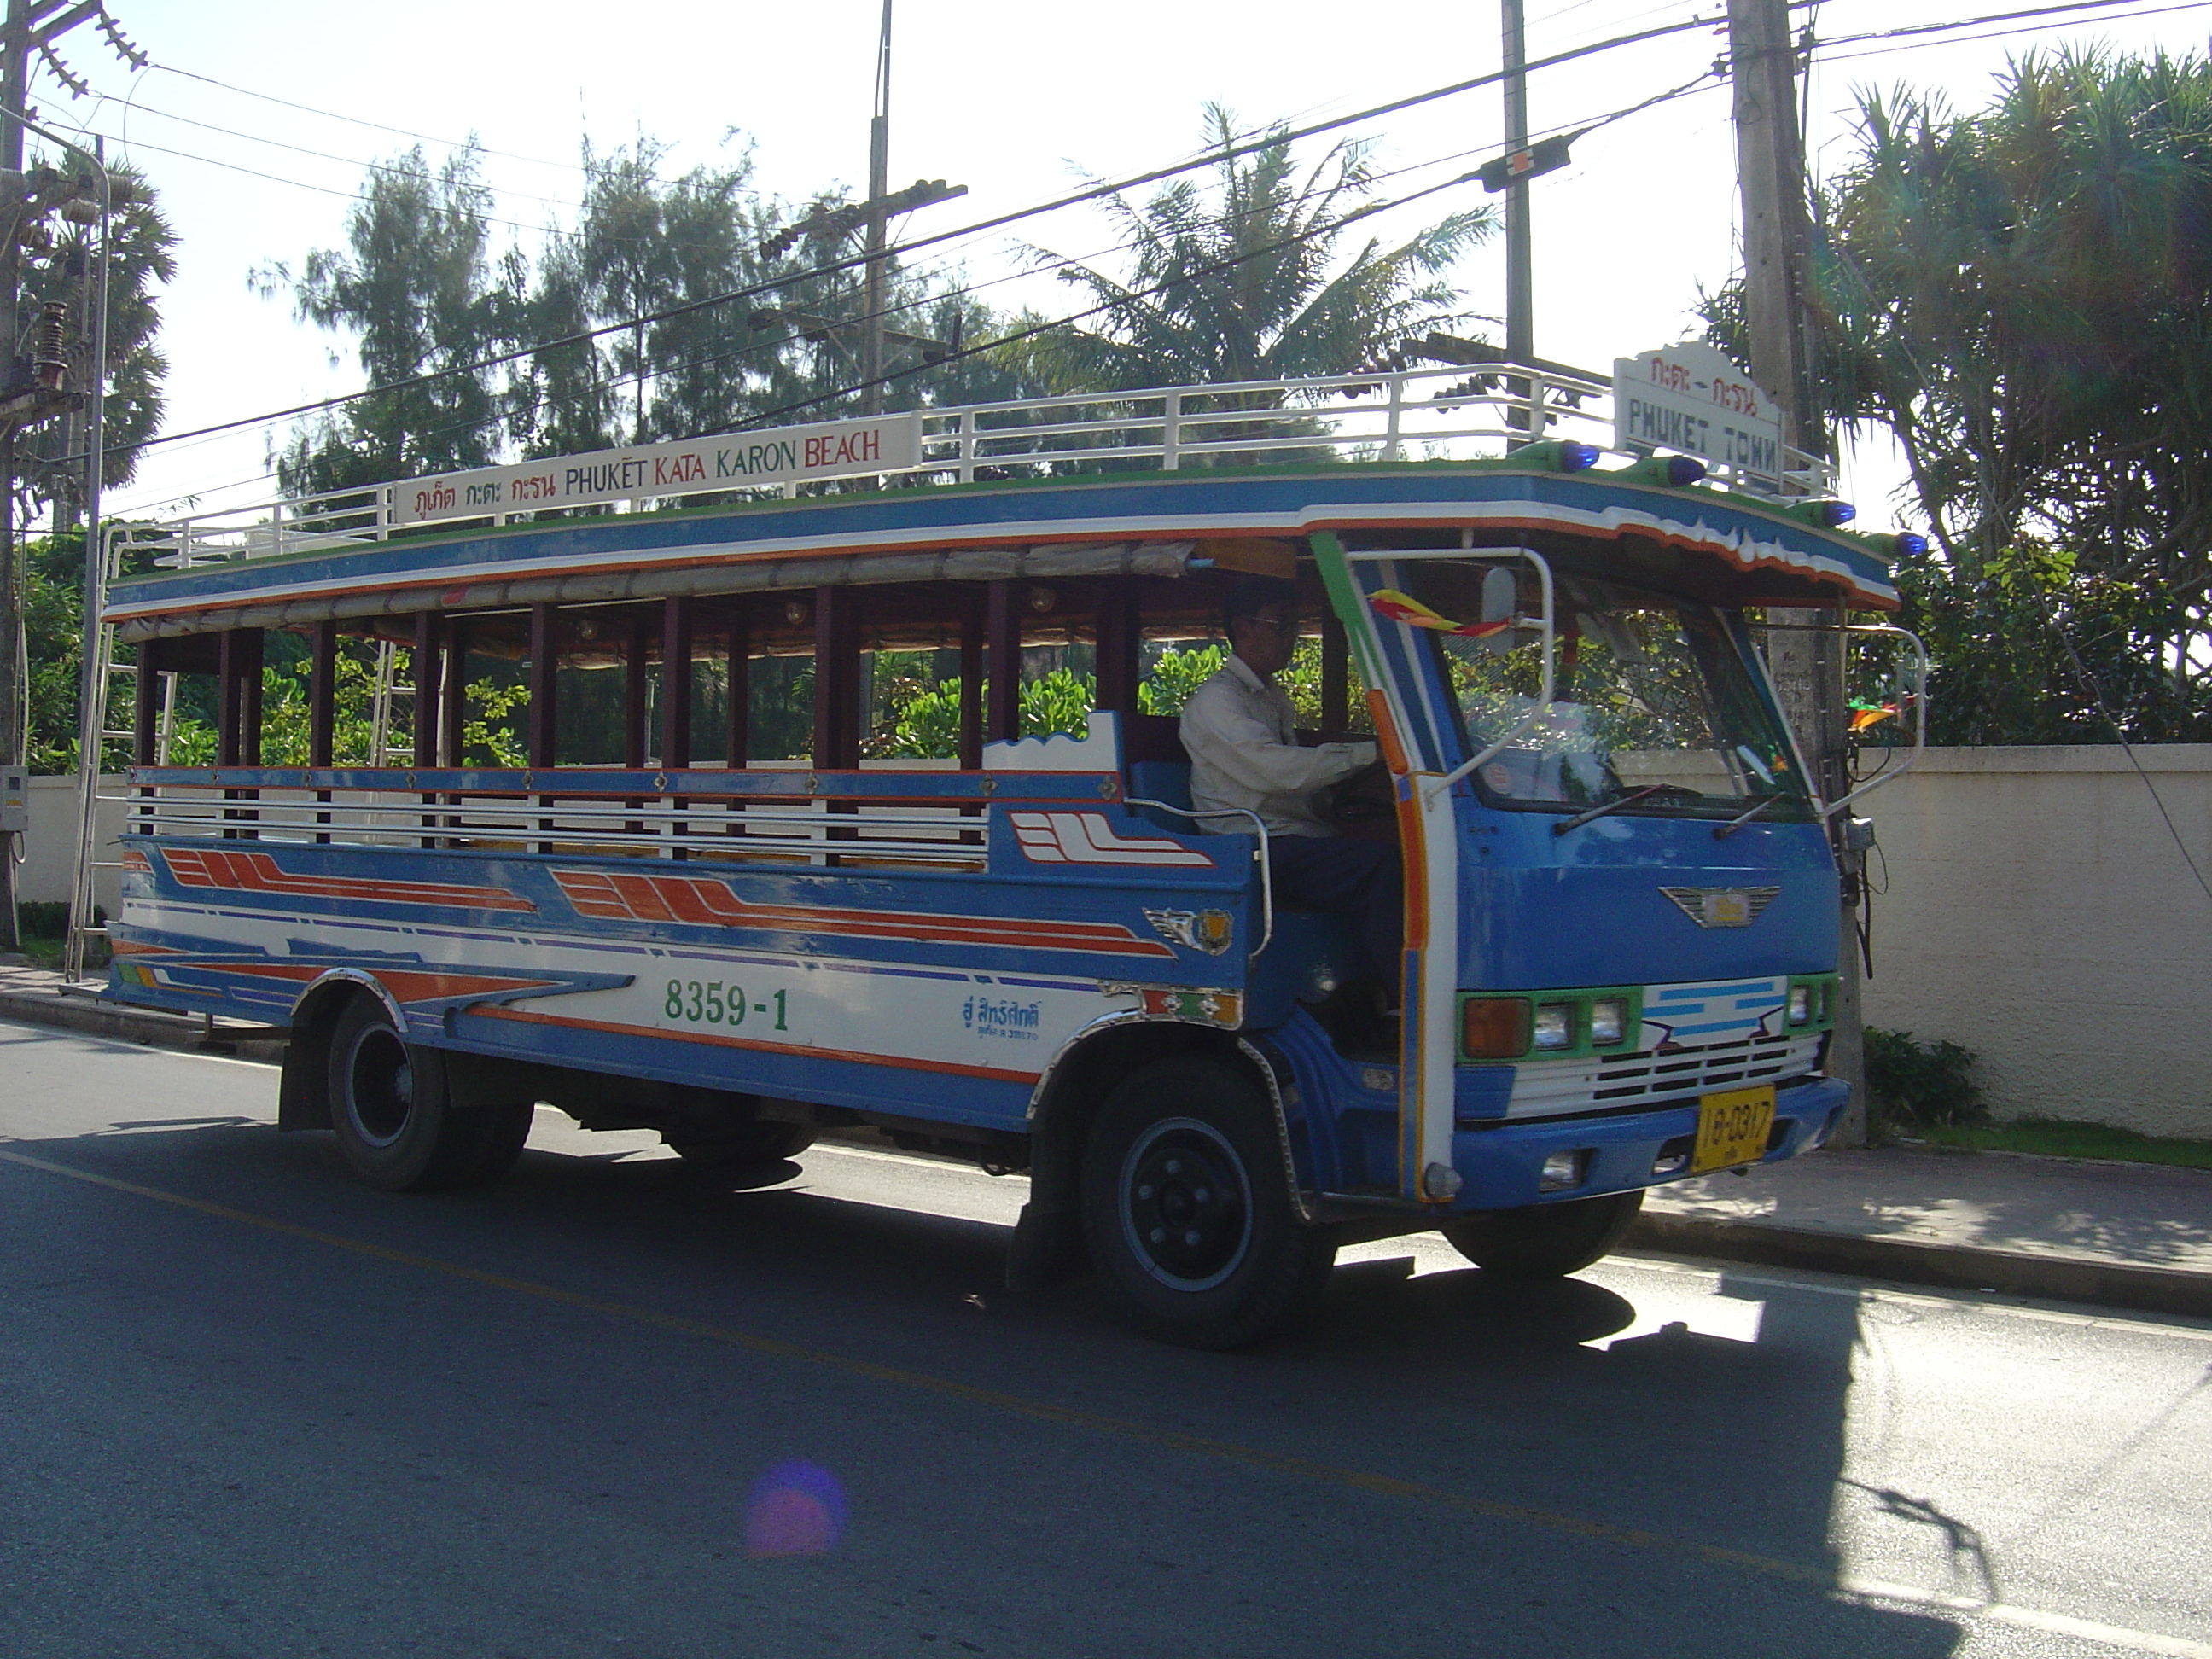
x: 634, y: 903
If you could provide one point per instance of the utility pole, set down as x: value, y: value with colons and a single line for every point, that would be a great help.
x: 1520, y: 257
x: 1807, y: 667
x: 33, y: 383
x: 879, y: 185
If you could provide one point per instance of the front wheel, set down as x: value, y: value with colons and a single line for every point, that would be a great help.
x: 1545, y: 1241
x: 397, y: 1126
x: 1187, y: 1213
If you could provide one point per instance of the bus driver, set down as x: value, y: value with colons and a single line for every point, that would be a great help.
x: 1241, y: 736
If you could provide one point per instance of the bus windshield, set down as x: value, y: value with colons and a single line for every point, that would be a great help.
x: 1653, y: 707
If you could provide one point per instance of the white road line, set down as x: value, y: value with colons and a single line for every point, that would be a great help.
x: 1961, y: 1302
x: 2056, y: 1624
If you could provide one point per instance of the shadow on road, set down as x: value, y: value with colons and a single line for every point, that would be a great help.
x: 1669, y: 1493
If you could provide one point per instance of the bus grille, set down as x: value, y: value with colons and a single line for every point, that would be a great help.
x: 1546, y: 1088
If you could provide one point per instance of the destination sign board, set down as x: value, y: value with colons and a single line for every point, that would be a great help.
x: 1690, y: 399
x: 689, y: 466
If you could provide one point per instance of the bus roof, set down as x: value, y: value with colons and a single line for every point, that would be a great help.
x: 1125, y: 484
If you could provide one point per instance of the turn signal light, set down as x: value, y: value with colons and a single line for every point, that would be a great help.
x: 1494, y: 1028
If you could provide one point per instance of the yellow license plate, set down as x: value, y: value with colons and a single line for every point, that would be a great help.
x: 1732, y: 1128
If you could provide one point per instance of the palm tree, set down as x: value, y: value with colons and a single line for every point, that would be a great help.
x: 1240, y: 277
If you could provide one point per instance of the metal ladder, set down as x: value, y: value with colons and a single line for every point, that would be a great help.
x: 384, y: 689
x: 96, y: 732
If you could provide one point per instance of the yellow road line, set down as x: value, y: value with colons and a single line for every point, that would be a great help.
x: 1381, y: 1485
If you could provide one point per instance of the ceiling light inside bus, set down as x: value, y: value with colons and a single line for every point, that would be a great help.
x: 1608, y: 1021
x: 1555, y: 1026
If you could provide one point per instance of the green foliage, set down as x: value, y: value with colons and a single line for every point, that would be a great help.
x: 1920, y: 1081
x: 1174, y: 676
x: 2021, y: 296
x: 142, y: 246
x: 2027, y: 653
x: 2054, y: 1137
x: 423, y: 290
x: 414, y: 286
x: 1252, y: 283
x: 921, y: 718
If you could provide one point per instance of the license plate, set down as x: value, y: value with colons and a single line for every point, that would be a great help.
x: 1732, y: 1128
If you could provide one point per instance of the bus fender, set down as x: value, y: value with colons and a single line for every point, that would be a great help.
x: 303, y: 1100
x: 1048, y: 1243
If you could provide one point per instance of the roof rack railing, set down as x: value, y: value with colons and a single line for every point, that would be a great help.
x: 1455, y: 412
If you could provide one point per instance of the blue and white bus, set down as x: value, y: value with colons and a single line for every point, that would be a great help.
x: 1621, y: 908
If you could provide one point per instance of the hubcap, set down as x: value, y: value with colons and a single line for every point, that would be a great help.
x: 1186, y: 1208
x: 380, y: 1085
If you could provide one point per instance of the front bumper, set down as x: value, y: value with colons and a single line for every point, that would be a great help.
x: 1500, y: 1165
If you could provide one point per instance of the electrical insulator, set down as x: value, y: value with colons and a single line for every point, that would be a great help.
x: 49, y: 363
x: 78, y: 212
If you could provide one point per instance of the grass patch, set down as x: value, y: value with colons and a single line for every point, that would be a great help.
x: 2052, y: 1137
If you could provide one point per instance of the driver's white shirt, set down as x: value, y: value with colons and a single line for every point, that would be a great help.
x: 1243, y: 742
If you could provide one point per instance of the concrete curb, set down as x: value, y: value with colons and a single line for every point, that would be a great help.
x: 1952, y: 1267
x: 148, y: 1027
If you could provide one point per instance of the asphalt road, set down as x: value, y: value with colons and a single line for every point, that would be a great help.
x: 609, y: 1408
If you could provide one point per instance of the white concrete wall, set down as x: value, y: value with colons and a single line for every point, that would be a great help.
x: 2041, y: 913
x: 49, y: 864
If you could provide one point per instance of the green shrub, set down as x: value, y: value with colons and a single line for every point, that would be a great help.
x: 1922, y: 1082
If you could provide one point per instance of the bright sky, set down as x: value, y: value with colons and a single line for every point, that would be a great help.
x: 1013, y: 98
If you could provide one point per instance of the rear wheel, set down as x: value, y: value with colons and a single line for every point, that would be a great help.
x: 1545, y: 1241
x: 397, y: 1126
x: 1188, y: 1214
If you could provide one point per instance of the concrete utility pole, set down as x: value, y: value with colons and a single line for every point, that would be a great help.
x: 879, y: 185
x: 14, y: 80
x: 1520, y: 257
x: 33, y: 382
x: 1807, y: 667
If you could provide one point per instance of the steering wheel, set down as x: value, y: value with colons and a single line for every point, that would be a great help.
x: 1363, y: 797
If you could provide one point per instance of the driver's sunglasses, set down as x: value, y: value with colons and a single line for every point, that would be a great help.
x: 1278, y: 624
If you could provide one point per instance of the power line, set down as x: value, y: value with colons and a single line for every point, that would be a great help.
x: 1090, y: 193
x: 1976, y: 22
x: 1909, y: 46
x: 353, y: 120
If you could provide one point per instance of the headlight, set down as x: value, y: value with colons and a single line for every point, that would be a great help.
x: 1562, y: 1171
x: 1800, y: 1005
x: 1555, y: 1026
x: 1494, y: 1028
x: 1608, y: 1021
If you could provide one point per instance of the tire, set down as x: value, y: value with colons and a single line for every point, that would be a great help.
x: 745, y: 1143
x: 1188, y: 1215
x: 397, y: 1127
x: 1545, y: 1241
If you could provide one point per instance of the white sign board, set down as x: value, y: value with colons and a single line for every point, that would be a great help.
x: 1690, y: 399
x: 734, y: 461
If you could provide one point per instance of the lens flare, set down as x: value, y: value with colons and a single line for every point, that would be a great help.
x: 795, y: 1509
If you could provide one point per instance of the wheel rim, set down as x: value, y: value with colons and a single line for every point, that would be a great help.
x: 380, y: 1085
x: 1186, y: 1205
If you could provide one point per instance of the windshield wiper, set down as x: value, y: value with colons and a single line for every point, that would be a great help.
x: 1723, y: 831
x: 1613, y: 805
